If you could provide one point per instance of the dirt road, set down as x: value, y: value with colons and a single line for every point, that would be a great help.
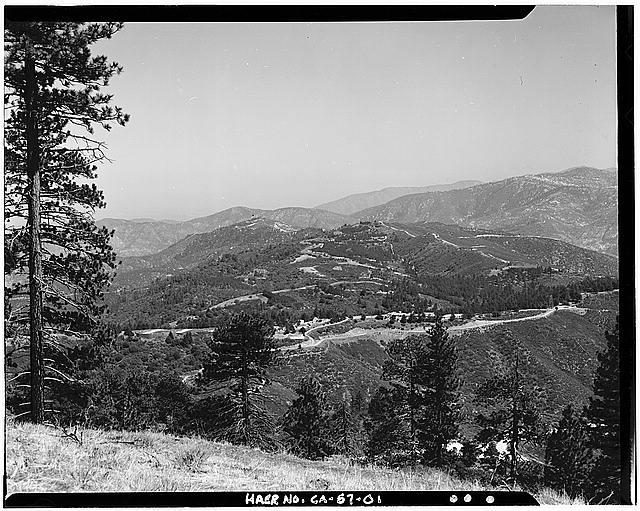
x: 260, y: 296
x: 394, y: 332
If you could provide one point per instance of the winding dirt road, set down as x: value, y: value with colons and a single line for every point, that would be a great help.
x: 360, y: 332
x: 456, y: 329
x: 260, y: 296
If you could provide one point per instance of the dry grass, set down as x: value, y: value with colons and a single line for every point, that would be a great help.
x: 41, y: 459
x: 192, y: 457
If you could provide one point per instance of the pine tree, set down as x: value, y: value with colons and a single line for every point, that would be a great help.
x: 603, y: 416
x: 241, y: 351
x: 346, y: 428
x: 440, y: 409
x: 172, y: 403
x: 359, y: 403
x: 568, y: 457
x: 305, y: 421
x: 469, y: 453
x: 57, y: 255
x: 404, y: 370
x: 513, y: 406
x: 386, y: 430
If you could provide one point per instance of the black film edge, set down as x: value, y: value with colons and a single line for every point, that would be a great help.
x: 273, y: 499
x: 266, y: 13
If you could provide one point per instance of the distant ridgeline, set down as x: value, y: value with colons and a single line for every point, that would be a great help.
x: 578, y: 205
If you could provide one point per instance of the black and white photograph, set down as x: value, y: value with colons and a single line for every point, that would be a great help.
x: 351, y: 255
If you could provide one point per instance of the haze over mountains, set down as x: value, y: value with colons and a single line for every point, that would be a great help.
x: 577, y: 205
x: 357, y: 202
x: 136, y: 238
x: 392, y: 249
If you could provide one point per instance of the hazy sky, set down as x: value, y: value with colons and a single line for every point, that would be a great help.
x: 274, y: 115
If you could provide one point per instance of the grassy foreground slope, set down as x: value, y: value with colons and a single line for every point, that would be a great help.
x: 42, y: 459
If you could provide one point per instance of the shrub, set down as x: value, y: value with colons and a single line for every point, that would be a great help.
x: 192, y: 458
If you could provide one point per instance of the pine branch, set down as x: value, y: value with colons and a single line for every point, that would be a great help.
x: 60, y: 373
x: 18, y: 376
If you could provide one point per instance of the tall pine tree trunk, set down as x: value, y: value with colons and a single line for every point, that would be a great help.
x: 439, y: 439
x: 35, y: 247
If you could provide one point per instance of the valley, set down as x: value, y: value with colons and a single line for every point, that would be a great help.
x: 560, y: 345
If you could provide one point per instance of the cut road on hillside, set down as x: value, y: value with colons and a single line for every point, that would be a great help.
x: 478, y: 323
x: 261, y: 296
x: 359, y: 332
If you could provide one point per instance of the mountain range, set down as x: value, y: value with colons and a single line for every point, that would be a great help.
x: 577, y: 205
x: 416, y: 254
x: 351, y: 204
x: 137, y: 238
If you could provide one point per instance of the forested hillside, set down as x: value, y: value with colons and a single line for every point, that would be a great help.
x: 138, y: 238
x: 366, y: 268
